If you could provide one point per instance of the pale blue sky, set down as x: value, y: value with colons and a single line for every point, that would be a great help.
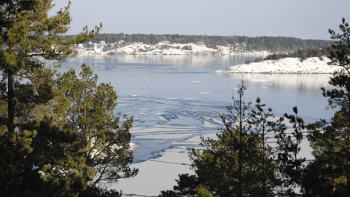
x: 306, y: 19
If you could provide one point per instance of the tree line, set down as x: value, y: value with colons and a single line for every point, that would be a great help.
x: 267, y: 43
x: 302, y: 54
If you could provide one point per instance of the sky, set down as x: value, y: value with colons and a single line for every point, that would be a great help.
x: 306, y: 19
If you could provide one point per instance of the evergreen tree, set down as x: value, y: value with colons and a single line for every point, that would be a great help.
x: 48, y: 145
x: 27, y: 33
x: 228, y: 166
x: 85, y: 108
x: 324, y: 176
x: 331, y: 140
x: 291, y: 165
x: 239, y: 162
x: 264, y: 124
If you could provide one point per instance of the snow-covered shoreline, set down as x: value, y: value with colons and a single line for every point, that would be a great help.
x: 313, y: 65
x: 166, y: 48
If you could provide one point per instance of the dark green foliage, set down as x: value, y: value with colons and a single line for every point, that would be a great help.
x: 196, y: 190
x: 264, y: 124
x: 331, y: 140
x: 15, y: 182
x: 275, y: 56
x: 222, y: 167
x: 239, y: 162
x: 289, y: 146
x: 187, y: 48
x: 93, y: 191
x: 247, y: 62
x: 302, y: 54
x: 341, y: 52
x: 273, y: 44
x: 226, y: 158
x: 258, y: 59
x: 203, y: 192
x: 318, y: 180
x: 325, y: 175
x: 87, y: 108
x: 186, y: 184
x: 169, y: 193
x: 22, y: 26
x: 228, y: 165
x: 58, y: 135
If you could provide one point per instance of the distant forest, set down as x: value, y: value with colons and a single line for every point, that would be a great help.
x: 300, y: 53
x: 268, y: 43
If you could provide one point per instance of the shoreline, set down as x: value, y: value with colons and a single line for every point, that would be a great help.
x: 312, y: 65
x: 166, y: 48
x: 90, y: 53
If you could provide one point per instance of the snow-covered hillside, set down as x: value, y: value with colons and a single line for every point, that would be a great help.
x: 166, y: 48
x: 286, y: 65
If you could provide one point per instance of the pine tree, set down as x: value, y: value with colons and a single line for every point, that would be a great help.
x: 291, y: 165
x: 228, y: 165
x: 87, y: 109
x: 48, y: 146
x: 238, y: 162
x: 265, y: 124
x: 28, y: 33
x: 324, y: 176
x: 331, y: 140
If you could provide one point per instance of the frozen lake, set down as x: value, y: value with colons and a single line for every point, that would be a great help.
x: 175, y: 99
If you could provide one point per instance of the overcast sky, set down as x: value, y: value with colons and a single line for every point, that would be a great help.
x: 306, y: 19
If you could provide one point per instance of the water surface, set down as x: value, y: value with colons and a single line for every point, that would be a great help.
x: 175, y: 98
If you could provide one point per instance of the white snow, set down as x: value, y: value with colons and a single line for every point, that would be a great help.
x: 133, y: 145
x: 160, y: 173
x: 286, y: 65
x: 157, y: 174
x: 167, y: 48
x: 96, y: 153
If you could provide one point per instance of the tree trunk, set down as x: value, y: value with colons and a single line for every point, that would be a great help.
x: 264, y: 152
x: 347, y: 148
x: 11, y: 103
x: 240, y: 148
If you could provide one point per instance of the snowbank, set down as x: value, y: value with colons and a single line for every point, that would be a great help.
x: 286, y: 65
x: 166, y: 48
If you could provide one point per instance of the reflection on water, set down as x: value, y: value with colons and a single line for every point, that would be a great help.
x: 177, y: 60
x: 284, y: 91
x: 292, y: 82
x: 174, y: 98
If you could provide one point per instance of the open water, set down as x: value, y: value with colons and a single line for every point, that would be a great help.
x: 174, y: 98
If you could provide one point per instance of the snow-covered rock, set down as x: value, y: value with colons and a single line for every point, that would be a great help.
x: 166, y: 48
x: 286, y: 65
